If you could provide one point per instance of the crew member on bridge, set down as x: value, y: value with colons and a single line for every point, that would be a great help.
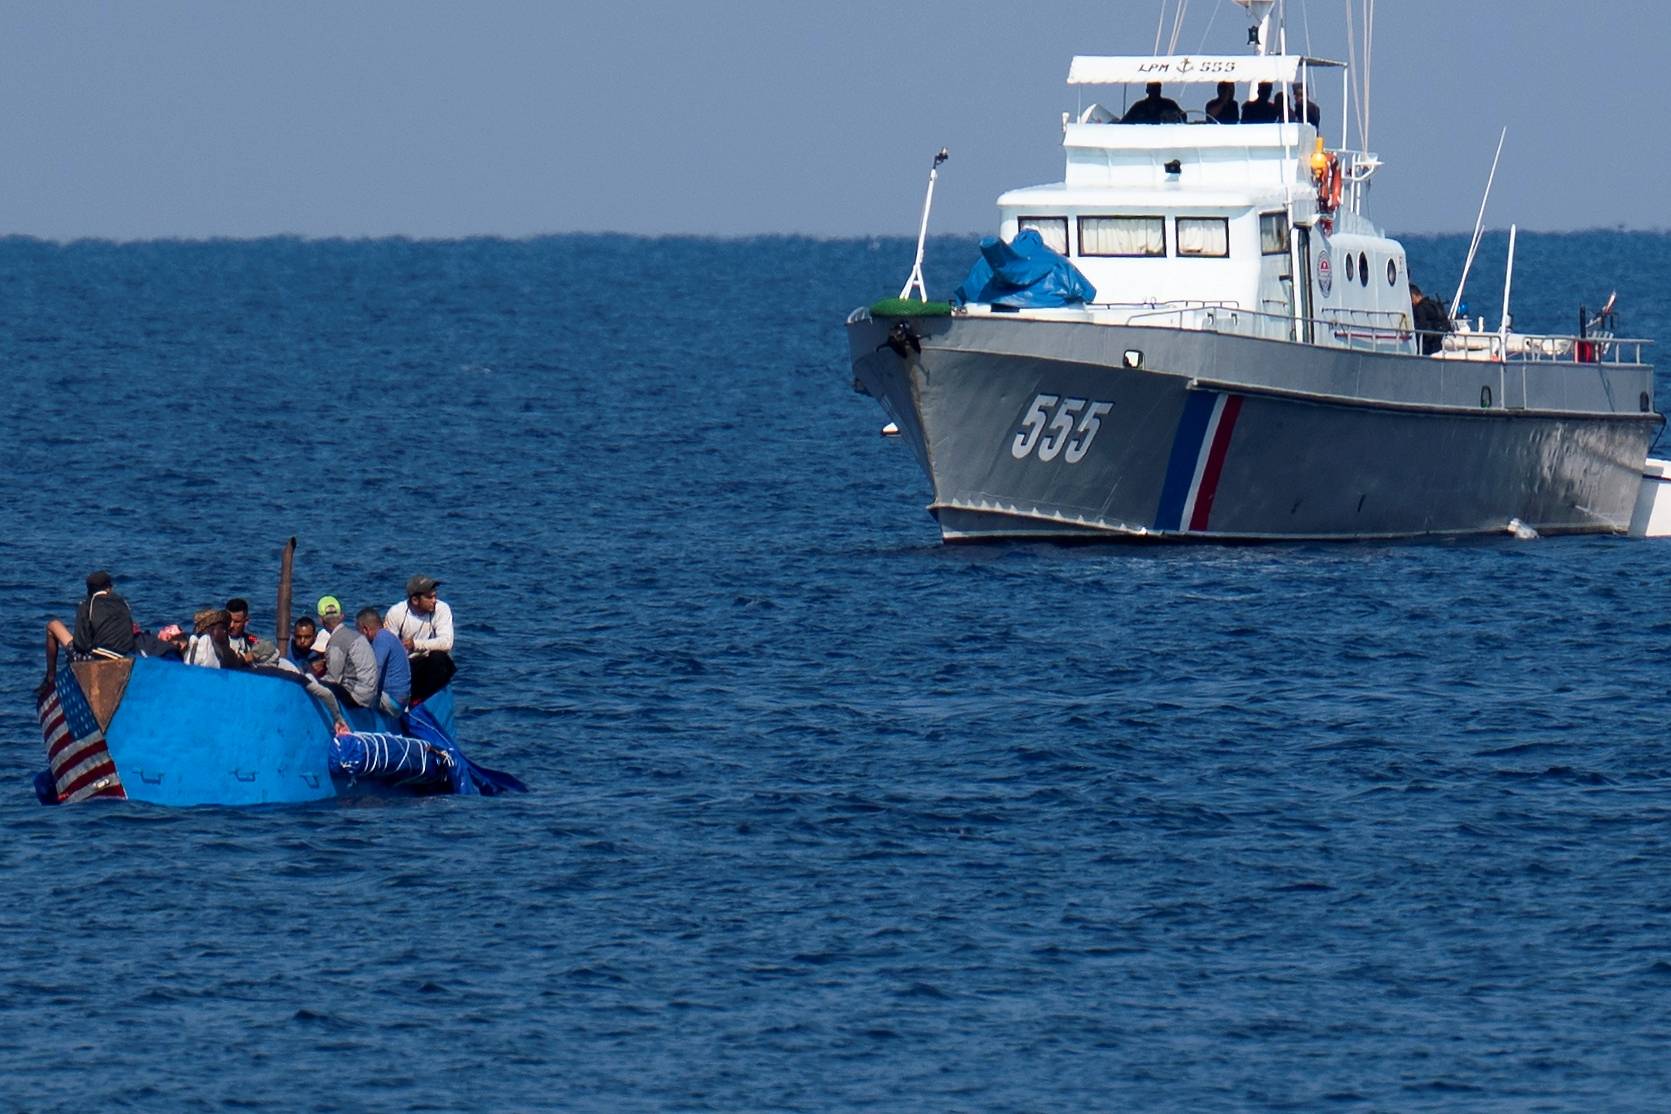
x: 1154, y: 109
x: 1223, y: 107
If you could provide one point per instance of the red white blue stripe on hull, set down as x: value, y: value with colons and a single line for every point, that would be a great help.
x: 1196, y: 463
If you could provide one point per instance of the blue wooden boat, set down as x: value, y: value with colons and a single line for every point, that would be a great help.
x: 174, y: 734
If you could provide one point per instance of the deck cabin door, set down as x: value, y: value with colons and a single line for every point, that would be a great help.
x: 1514, y: 385
x: 1302, y: 261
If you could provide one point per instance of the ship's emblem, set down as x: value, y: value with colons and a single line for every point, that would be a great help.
x: 1325, y: 273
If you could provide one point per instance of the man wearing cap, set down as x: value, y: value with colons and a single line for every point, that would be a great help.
x: 103, y: 628
x: 424, y: 625
x: 350, y: 666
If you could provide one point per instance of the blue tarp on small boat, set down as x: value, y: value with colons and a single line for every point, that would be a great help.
x: 182, y: 735
x: 1023, y: 274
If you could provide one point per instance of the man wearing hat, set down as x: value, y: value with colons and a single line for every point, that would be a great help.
x: 350, y: 666
x: 424, y: 625
x: 210, y: 645
x: 103, y: 628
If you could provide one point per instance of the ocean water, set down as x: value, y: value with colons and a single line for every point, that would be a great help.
x: 825, y: 815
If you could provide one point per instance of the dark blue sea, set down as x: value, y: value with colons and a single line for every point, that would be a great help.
x: 824, y: 815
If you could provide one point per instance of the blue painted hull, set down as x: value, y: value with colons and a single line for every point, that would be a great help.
x: 188, y: 736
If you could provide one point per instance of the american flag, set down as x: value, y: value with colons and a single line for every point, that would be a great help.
x: 81, y: 765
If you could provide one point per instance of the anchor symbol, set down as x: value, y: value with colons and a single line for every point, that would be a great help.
x: 1184, y: 66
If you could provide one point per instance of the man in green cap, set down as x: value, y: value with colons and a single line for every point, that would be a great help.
x: 350, y: 666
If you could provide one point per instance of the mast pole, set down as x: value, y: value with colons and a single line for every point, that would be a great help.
x: 1479, y: 225
x: 281, y: 624
x: 1508, y: 285
x: 916, y: 279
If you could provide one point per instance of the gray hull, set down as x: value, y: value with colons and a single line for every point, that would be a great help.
x: 1030, y: 428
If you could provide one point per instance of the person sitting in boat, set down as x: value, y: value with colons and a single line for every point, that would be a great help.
x: 394, y: 674
x: 1154, y: 108
x: 168, y: 644
x: 210, y: 646
x: 350, y: 667
x: 424, y: 625
x: 1431, y: 320
x: 1223, y: 107
x: 245, y: 644
x: 103, y: 629
x: 1311, y: 114
x: 304, y: 632
x: 1261, y: 109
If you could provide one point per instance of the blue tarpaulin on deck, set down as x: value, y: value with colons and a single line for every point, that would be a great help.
x: 1023, y: 274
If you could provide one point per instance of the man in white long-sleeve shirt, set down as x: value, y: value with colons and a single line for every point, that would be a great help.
x: 424, y: 625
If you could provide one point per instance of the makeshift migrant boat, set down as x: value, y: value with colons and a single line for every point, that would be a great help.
x: 145, y: 729
x: 173, y: 734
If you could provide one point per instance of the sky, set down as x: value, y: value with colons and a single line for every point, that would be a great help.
x: 169, y: 118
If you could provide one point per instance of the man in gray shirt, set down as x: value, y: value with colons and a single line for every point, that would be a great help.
x: 350, y: 666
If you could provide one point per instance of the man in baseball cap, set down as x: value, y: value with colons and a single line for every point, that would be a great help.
x: 424, y: 625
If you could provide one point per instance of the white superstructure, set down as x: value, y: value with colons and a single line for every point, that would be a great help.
x: 1198, y: 218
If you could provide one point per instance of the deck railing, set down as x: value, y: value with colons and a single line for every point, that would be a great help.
x: 1381, y: 331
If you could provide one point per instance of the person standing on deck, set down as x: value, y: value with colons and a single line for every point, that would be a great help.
x: 1430, y: 320
x: 1261, y: 110
x: 1223, y: 107
x: 1302, y: 109
x: 424, y: 625
x: 1154, y: 108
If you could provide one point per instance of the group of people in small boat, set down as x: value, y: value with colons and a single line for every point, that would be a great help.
x: 384, y: 660
x: 1157, y: 108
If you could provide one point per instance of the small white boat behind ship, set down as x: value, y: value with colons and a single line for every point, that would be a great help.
x: 1199, y: 333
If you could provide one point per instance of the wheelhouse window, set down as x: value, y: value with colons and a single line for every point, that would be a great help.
x: 1052, y: 230
x: 1204, y: 237
x: 1273, y: 233
x: 1122, y: 236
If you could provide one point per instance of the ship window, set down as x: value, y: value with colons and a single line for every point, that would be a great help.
x: 1122, y: 235
x: 1204, y: 237
x: 1351, y: 267
x: 1052, y: 230
x: 1273, y: 233
x: 1363, y: 269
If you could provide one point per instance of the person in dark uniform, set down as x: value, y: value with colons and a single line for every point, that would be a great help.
x: 1223, y: 107
x: 103, y: 629
x: 1431, y: 320
x: 1154, y: 109
x: 1301, y: 107
x: 1261, y: 110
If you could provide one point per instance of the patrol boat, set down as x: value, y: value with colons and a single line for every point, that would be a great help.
x: 1246, y: 366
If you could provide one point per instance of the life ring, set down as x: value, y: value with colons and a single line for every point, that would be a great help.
x: 1328, y: 190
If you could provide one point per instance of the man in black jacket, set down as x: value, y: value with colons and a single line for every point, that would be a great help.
x: 1430, y: 319
x: 1154, y: 108
x: 103, y: 628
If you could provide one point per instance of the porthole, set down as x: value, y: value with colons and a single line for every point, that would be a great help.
x: 1392, y: 272
x: 1363, y: 269
x: 1642, y: 402
x: 1485, y: 398
x: 1351, y: 268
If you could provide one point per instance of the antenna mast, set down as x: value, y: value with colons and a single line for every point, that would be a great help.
x: 1258, y: 36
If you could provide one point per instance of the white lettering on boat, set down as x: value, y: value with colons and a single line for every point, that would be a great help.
x: 1055, y: 433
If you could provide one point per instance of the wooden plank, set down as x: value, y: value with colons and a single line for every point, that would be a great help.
x: 104, y: 682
